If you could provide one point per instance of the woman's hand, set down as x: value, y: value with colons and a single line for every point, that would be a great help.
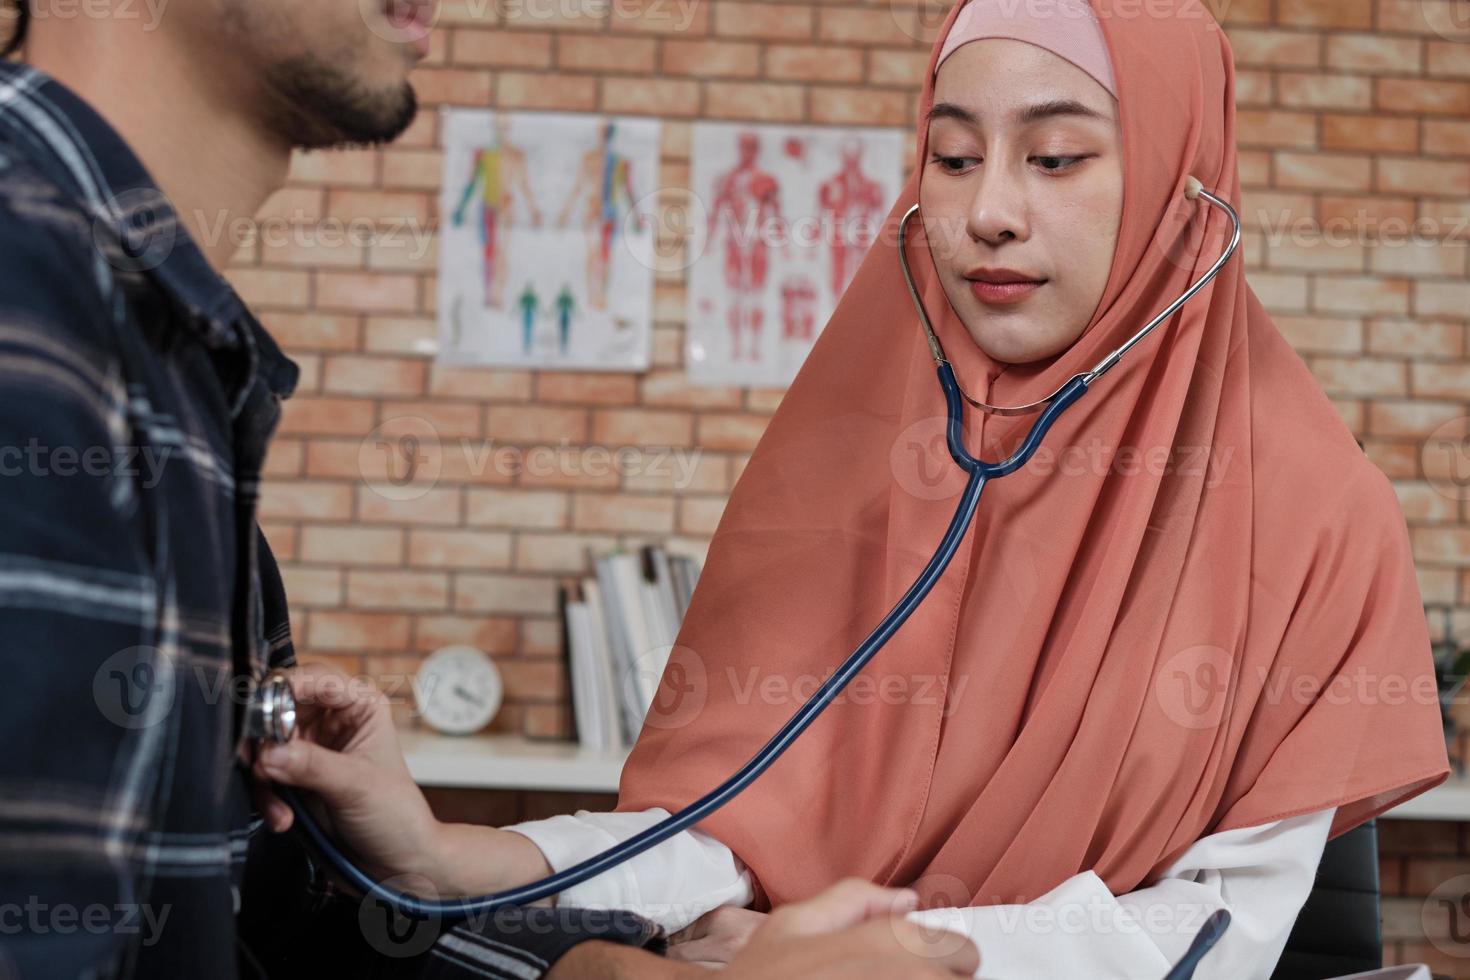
x: 715, y: 937
x: 853, y: 929
x: 346, y: 752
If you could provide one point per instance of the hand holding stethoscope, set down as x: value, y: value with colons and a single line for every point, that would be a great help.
x: 333, y: 736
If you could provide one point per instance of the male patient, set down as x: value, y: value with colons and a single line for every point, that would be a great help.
x: 137, y: 398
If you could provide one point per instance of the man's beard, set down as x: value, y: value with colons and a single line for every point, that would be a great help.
x: 315, y: 105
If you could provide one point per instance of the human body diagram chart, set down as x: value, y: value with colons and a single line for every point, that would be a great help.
x: 787, y: 214
x: 545, y: 259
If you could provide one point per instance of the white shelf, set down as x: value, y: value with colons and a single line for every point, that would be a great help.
x: 1450, y: 800
x: 508, y: 762
x: 516, y: 762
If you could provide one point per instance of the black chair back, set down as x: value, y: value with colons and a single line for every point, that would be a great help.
x: 1339, y: 930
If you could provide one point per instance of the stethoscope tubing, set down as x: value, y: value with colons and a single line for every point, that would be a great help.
x: 979, y: 473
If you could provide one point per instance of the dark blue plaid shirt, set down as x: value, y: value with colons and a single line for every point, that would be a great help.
x: 137, y: 398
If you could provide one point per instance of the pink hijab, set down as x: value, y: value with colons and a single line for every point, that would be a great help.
x: 1124, y: 656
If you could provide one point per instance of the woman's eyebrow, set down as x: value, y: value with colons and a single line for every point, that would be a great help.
x: 1024, y: 116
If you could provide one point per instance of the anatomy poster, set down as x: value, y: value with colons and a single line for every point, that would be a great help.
x: 545, y: 251
x: 787, y: 214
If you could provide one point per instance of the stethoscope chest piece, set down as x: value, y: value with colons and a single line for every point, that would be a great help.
x: 270, y: 712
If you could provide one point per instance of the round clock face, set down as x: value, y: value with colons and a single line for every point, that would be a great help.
x: 458, y: 690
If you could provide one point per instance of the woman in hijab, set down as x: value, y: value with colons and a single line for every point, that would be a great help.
x: 1167, y: 663
x: 1176, y: 653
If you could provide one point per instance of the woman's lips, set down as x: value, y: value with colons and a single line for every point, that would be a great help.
x: 1003, y: 293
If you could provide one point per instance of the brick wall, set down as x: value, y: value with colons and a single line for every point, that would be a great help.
x: 1354, y: 132
x: 1354, y: 129
x: 1416, y: 857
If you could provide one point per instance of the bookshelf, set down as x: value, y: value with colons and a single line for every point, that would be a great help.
x: 510, y: 762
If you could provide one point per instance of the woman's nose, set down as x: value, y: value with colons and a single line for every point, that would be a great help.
x: 997, y: 213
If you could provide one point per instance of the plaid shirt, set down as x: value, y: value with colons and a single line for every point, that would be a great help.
x: 135, y: 589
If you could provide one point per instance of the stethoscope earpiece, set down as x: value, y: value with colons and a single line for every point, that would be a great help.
x: 1193, y: 190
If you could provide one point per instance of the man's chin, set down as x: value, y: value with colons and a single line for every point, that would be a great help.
x: 319, y: 106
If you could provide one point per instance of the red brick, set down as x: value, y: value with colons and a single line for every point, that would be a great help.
x: 306, y: 501
x: 712, y: 59
x: 1362, y: 132
x: 401, y: 335
x: 721, y: 431
x: 767, y: 21
x: 642, y: 426
x: 535, y: 423
x: 434, y: 505
x: 347, y: 545
x: 357, y: 631
x: 622, y: 55
x: 500, y: 48
x: 373, y: 292
x: 326, y: 416
x: 523, y: 90
x: 397, y: 590
x: 314, y: 331
x: 1416, y: 338
x: 490, y: 634
x: 651, y: 96
x: 504, y: 594
x: 315, y: 587
x: 452, y: 86
x: 765, y: 101
x: 1369, y: 53
x: 459, y: 548
x: 859, y: 106
x: 352, y: 374
x: 1276, y: 48
x: 516, y: 508
x: 1423, y: 96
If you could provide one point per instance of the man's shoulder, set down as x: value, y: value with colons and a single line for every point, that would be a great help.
x: 54, y: 274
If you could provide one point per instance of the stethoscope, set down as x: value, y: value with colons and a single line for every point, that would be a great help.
x: 271, y: 711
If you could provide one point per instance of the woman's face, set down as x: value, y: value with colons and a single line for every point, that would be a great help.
x: 1011, y: 194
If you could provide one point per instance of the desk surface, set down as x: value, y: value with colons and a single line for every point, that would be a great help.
x: 517, y: 762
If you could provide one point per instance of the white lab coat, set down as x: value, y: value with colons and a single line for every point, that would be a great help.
x: 1262, y: 874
